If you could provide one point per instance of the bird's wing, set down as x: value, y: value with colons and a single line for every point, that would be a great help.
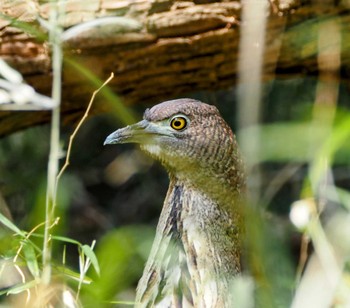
x: 164, y: 282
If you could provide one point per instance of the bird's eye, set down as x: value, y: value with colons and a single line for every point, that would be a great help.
x: 178, y: 123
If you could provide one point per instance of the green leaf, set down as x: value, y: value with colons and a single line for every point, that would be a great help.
x: 73, y: 275
x: 31, y: 260
x: 331, y: 145
x: 20, y: 288
x: 91, y: 255
x: 65, y: 239
x: 9, y: 224
x: 59, y: 238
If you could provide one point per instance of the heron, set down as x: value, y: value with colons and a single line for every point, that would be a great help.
x: 196, y: 253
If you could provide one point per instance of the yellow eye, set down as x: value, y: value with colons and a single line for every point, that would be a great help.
x: 178, y: 123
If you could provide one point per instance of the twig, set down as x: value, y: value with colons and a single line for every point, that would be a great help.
x: 72, y: 136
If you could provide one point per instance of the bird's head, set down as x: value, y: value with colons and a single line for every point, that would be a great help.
x: 187, y: 136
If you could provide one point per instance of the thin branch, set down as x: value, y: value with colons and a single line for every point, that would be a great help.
x: 82, y: 120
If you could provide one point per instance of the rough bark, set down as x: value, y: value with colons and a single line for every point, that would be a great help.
x: 157, y: 49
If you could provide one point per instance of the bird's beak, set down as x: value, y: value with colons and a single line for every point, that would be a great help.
x: 141, y: 132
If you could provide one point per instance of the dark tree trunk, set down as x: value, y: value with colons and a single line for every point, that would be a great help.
x: 158, y: 49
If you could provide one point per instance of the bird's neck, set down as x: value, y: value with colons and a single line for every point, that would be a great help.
x: 196, y: 250
x: 210, y: 184
x: 206, y: 237
x: 208, y: 212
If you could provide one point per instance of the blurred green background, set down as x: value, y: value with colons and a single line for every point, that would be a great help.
x: 114, y: 194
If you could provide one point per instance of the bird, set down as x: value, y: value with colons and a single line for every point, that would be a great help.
x: 196, y: 253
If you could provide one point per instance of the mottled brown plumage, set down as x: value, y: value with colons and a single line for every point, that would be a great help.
x: 196, y: 252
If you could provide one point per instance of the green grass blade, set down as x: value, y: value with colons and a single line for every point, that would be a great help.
x: 31, y: 259
x: 10, y: 225
x: 21, y: 288
x: 92, y: 256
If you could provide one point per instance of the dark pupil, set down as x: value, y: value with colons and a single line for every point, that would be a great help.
x: 177, y: 123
